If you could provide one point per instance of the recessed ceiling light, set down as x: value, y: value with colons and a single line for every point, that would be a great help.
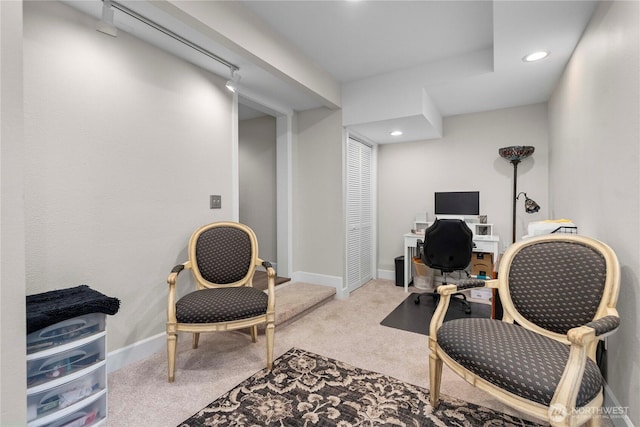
x: 535, y: 56
x: 395, y: 133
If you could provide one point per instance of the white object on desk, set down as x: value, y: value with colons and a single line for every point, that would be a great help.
x: 420, y: 224
x: 482, y: 243
x: 538, y: 228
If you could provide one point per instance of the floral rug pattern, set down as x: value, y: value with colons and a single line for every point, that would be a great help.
x: 306, y: 389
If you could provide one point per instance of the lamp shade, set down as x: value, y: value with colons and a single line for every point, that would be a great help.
x: 515, y: 153
x: 530, y: 206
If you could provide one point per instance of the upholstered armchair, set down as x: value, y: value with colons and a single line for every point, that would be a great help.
x: 223, y: 257
x: 559, y: 294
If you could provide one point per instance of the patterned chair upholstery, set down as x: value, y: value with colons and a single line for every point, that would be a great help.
x: 222, y: 257
x: 559, y: 294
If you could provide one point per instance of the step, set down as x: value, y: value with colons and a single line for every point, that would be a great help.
x: 295, y: 299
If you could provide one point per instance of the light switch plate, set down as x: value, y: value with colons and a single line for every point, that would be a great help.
x: 215, y: 202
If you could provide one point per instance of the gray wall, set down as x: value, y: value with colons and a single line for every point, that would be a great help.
x: 465, y: 159
x: 594, y: 126
x: 257, y: 170
x: 124, y: 143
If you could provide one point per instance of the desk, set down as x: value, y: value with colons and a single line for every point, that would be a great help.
x: 481, y: 244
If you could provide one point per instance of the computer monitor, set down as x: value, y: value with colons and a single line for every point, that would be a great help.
x: 457, y: 203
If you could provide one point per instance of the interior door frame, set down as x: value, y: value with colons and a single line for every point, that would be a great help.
x: 284, y: 173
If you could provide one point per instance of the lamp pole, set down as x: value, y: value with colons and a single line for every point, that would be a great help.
x: 514, y: 162
x: 515, y: 154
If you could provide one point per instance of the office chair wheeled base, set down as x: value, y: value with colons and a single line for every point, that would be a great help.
x: 436, y: 297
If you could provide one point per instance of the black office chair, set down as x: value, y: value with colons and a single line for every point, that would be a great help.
x: 448, y: 245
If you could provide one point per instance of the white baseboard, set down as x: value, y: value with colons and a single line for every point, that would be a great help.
x: 386, y: 274
x: 321, y: 279
x: 135, y: 352
x: 619, y: 415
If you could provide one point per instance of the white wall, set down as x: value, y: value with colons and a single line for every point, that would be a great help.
x: 594, y: 119
x: 318, y: 230
x: 124, y: 144
x: 465, y: 159
x: 257, y: 169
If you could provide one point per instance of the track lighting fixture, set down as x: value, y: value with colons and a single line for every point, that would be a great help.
x: 106, y: 25
x: 232, y: 84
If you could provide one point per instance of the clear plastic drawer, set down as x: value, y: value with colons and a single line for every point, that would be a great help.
x: 88, y: 415
x: 65, y: 332
x: 50, y: 401
x: 54, y: 366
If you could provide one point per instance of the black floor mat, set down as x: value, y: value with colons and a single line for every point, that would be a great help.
x: 413, y: 317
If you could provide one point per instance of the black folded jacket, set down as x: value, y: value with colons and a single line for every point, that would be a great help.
x: 51, y: 307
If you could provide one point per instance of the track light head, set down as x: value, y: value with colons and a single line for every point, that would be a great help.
x: 232, y: 84
x: 106, y: 25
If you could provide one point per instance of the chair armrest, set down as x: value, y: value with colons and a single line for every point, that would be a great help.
x: 171, y: 298
x: 450, y: 288
x: 271, y: 286
x: 445, y: 292
x: 173, y: 276
x: 491, y: 283
x: 437, y: 317
x: 581, y: 339
x: 599, y: 328
x: 470, y: 284
x: 605, y: 325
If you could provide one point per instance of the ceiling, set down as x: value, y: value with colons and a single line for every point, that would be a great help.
x: 401, y: 65
x: 358, y: 39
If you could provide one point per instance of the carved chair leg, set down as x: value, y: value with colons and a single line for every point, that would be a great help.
x: 195, y: 339
x: 171, y: 355
x: 269, y: 333
x: 254, y: 333
x: 435, y: 376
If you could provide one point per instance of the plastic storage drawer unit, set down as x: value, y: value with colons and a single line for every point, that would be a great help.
x: 58, y: 365
x: 52, y: 400
x: 66, y: 331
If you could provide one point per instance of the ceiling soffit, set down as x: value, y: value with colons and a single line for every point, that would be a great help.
x: 394, y: 72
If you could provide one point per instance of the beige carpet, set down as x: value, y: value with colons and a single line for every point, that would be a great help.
x: 348, y: 330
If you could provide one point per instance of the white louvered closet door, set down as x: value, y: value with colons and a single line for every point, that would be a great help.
x: 359, y: 205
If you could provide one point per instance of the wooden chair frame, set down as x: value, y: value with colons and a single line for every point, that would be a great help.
x: 582, y: 340
x: 173, y: 327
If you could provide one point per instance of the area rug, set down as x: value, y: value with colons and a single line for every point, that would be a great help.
x: 306, y: 389
x: 413, y: 317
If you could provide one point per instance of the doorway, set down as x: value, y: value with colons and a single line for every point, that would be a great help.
x: 264, y: 179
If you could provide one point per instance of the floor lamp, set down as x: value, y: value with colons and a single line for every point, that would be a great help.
x: 515, y: 154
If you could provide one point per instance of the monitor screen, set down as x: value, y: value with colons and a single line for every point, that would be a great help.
x: 457, y: 203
